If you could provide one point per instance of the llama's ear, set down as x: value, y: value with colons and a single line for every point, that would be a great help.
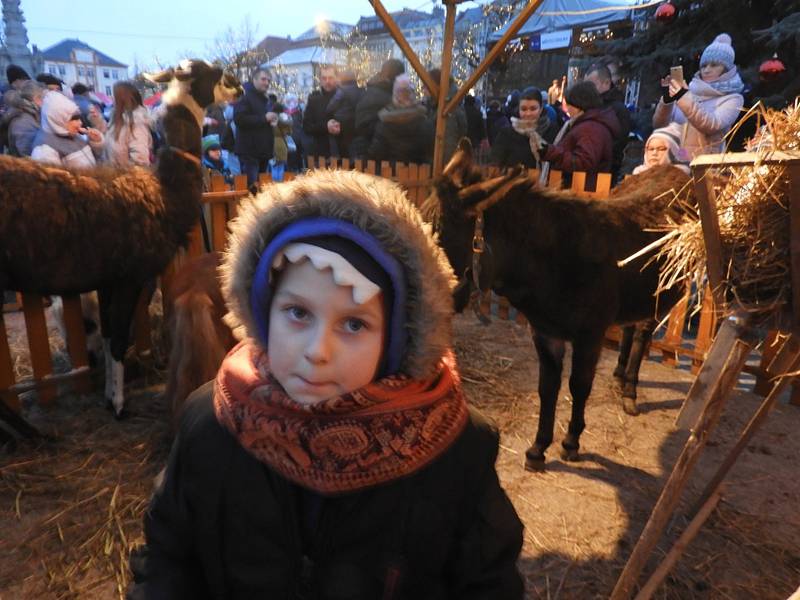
x: 460, y: 163
x: 160, y: 77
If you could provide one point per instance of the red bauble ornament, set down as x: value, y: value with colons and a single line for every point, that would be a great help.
x: 665, y: 13
x: 771, y: 68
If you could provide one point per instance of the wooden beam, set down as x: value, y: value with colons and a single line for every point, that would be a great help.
x: 444, y: 87
x: 409, y: 53
x: 521, y: 19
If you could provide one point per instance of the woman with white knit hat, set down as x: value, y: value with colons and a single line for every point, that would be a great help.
x: 708, y: 107
x: 663, y: 148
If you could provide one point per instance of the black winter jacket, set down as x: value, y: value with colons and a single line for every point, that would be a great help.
x: 402, y: 135
x: 315, y: 122
x: 377, y: 95
x: 253, y: 132
x: 511, y: 148
x: 615, y: 100
x: 224, y: 525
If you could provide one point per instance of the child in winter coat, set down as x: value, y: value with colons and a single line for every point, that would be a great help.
x: 63, y: 140
x: 334, y: 456
x: 212, y: 158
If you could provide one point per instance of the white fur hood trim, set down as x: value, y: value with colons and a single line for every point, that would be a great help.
x: 373, y: 204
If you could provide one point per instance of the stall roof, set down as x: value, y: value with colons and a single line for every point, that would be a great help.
x: 554, y: 15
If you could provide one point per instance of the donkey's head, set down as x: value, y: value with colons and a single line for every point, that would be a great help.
x: 458, y: 196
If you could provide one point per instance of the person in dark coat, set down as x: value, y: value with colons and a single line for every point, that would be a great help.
x: 513, y: 146
x: 476, y: 128
x: 612, y: 98
x: 315, y: 118
x: 334, y: 456
x: 377, y: 95
x: 495, y: 120
x: 588, y: 137
x: 342, y: 114
x: 402, y: 134
x: 254, y: 117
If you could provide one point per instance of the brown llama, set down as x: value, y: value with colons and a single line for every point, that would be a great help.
x: 67, y: 231
x: 198, y: 336
x: 555, y: 257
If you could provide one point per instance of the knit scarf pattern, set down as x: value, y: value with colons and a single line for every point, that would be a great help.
x: 528, y: 128
x: 728, y: 83
x: 386, y: 430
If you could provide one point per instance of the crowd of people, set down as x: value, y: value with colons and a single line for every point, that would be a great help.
x: 583, y: 127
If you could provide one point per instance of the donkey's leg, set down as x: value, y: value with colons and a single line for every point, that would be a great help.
x: 624, y: 353
x: 585, y: 354
x: 551, y: 359
x: 123, y: 307
x: 641, y: 341
x: 104, y: 299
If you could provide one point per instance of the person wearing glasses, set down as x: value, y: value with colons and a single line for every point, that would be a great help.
x: 62, y: 139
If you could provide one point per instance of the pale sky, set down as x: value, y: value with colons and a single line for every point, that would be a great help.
x: 175, y: 29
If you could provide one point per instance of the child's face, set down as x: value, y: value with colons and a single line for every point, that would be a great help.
x: 321, y: 343
x: 214, y: 154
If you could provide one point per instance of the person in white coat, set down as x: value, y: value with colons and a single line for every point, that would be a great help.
x: 708, y: 107
x: 63, y: 140
x: 128, y: 139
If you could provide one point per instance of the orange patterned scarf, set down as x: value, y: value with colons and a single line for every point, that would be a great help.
x: 378, y: 433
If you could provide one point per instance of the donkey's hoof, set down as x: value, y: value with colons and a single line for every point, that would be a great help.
x: 570, y: 454
x: 629, y: 406
x: 118, y: 415
x: 534, y: 459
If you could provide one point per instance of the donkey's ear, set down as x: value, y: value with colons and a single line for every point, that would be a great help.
x: 160, y: 77
x: 497, y: 189
x: 460, y: 163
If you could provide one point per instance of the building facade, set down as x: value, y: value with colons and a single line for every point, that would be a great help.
x: 75, y: 61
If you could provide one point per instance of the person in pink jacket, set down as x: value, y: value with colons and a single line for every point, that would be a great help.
x: 708, y: 107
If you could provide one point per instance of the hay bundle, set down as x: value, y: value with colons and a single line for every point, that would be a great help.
x: 753, y: 212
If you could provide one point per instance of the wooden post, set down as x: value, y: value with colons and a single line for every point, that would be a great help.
x: 649, y: 588
x: 674, y: 334
x: 794, y: 244
x: 705, y: 330
x: 512, y: 30
x: 788, y: 360
x: 707, y: 203
x: 219, y: 216
x: 76, y: 341
x: 400, y: 39
x: 7, y: 369
x: 444, y: 86
x: 39, y: 343
x: 725, y: 369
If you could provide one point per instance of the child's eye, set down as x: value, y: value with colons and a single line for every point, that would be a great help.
x: 354, y: 325
x: 297, y: 313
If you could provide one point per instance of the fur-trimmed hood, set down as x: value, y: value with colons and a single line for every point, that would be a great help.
x: 374, y: 205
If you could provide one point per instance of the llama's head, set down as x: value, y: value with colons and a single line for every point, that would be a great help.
x: 193, y: 86
x: 203, y: 82
x: 457, y: 197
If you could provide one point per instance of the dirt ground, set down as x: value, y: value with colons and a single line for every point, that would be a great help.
x: 71, y: 507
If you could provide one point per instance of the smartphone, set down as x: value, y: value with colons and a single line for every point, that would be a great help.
x: 676, y: 73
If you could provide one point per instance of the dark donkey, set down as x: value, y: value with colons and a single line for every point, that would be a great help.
x: 554, y: 256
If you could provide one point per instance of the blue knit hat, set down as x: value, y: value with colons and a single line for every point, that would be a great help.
x: 719, y: 51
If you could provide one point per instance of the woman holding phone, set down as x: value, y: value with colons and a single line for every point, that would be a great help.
x: 705, y: 109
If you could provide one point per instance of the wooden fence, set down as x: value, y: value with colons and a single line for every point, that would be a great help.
x: 220, y: 206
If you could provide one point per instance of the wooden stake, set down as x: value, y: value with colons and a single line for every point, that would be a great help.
x: 444, y: 86
x: 726, y: 372
x: 677, y: 550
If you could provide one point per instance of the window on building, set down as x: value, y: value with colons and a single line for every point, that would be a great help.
x: 51, y: 69
x: 108, y: 90
x: 80, y: 71
x: 62, y: 70
x: 106, y: 73
x: 116, y: 74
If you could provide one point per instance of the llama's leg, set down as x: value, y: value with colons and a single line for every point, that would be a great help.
x: 551, y: 359
x: 104, y: 299
x: 585, y: 354
x: 641, y: 341
x: 624, y: 352
x: 123, y: 307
